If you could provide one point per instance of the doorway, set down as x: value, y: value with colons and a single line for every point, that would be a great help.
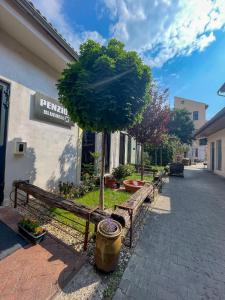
x: 107, y: 152
x: 122, y: 149
x: 4, y: 107
x: 88, y: 146
x: 212, y: 150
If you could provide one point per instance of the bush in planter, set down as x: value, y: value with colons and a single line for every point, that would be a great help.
x: 70, y: 191
x: 31, y: 230
x: 122, y: 171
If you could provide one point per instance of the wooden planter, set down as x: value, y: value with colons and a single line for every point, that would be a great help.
x: 133, y: 186
x: 35, y: 239
x: 107, y: 248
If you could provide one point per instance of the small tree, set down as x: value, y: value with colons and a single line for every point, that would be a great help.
x: 105, y: 91
x: 181, y: 125
x: 153, y: 124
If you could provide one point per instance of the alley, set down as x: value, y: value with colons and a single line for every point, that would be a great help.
x: 181, y: 251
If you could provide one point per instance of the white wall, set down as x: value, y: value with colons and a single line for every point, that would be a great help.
x: 220, y: 135
x: 53, y: 152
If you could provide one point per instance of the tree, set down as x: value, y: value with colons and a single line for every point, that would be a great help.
x: 181, y: 125
x: 154, y: 121
x: 105, y: 91
x: 170, y: 148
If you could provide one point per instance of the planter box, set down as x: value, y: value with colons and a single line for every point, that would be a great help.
x: 35, y: 239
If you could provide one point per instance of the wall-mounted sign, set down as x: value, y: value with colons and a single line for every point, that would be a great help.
x: 50, y: 110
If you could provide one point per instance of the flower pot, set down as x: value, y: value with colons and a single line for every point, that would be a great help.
x: 111, y: 182
x: 107, y: 248
x: 133, y: 186
x: 35, y: 239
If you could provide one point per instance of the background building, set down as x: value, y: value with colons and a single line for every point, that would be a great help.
x: 197, y: 112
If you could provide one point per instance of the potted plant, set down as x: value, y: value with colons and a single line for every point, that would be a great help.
x: 121, y: 172
x: 31, y: 230
x: 111, y: 182
x: 108, y: 245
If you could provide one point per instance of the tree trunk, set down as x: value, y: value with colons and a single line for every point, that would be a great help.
x: 101, y: 195
x: 142, y: 162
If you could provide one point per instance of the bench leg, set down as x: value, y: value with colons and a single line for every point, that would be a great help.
x: 86, y: 235
x: 131, y: 227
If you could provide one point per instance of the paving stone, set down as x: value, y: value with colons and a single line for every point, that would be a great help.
x: 181, y: 251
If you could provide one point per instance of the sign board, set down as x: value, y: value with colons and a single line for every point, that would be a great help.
x: 50, y: 110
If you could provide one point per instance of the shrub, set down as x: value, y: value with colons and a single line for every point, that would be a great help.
x: 70, y: 191
x: 122, y: 171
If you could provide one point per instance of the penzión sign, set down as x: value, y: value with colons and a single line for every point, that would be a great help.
x: 50, y: 110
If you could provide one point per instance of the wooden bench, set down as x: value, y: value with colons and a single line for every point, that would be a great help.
x: 129, y: 210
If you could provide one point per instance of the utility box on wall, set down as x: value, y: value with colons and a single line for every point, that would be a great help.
x: 20, y: 148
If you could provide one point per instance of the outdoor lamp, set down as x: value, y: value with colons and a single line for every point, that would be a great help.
x: 221, y: 91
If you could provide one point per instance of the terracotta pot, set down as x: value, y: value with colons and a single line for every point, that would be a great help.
x: 110, y: 182
x: 133, y: 186
x: 108, y: 245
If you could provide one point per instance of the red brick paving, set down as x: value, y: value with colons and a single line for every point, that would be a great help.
x: 36, y: 272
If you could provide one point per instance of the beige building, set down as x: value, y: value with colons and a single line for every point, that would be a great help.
x: 37, y: 140
x: 197, y: 112
x: 214, y: 131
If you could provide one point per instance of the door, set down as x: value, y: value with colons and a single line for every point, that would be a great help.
x: 212, y: 156
x: 88, y: 146
x: 107, y: 152
x: 122, y: 149
x: 4, y: 105
x: 129, y: 150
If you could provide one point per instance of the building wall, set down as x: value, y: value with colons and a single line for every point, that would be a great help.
x: 219, y: 135
x: 53, y: 152
x: 191, y: 106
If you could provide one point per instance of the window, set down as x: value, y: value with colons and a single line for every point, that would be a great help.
x: 219, y: 154
x: 195, y: 115
x: 196, y: 152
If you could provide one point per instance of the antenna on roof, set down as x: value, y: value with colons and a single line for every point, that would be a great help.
x: 221, y: 91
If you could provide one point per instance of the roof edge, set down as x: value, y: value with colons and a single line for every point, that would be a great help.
x: 36, y: 14
x: 219, y: 115
x: 191, y: 100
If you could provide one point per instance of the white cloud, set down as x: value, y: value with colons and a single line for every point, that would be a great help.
x: 53, y: 11
x: 165, y: 28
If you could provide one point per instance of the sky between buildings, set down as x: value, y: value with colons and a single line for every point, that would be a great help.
x: 182, y: 40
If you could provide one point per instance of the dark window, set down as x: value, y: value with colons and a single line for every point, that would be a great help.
x: 203, y: 142
x: 196, y: 152
x: 195, y: 115
x: 219, y: 154
x: 122, y: 149
x: 129, y: 150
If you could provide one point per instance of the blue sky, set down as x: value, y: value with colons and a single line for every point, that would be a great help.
x: 182, y: 40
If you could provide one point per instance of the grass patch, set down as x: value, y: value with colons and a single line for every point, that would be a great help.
x: 137, y: 176
x: 91, y: 199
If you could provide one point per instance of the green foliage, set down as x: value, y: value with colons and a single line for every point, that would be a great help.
x: 122, y: 171
x: 106, y: 89
x: 181, y: 125
x: 90, y: 199
x: 71, y: 191
x: 170, y: 147
x: 32, y: 226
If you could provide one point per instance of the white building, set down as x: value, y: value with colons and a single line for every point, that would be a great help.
x: 37, y: 141
x: 214, y: 131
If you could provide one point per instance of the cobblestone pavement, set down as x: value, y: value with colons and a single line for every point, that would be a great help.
x: 181, y: 252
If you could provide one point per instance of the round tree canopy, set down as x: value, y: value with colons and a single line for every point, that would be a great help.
x: 107, y: 89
